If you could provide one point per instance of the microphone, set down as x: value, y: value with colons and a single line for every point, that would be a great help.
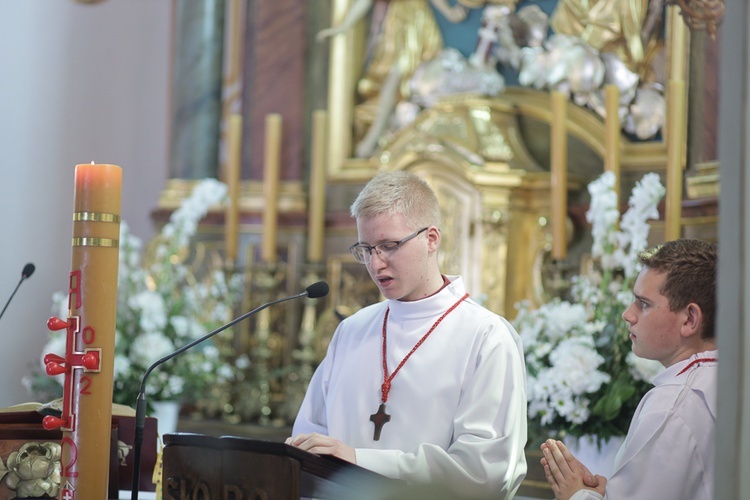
x: 314, y: 291
x: 27, y: 271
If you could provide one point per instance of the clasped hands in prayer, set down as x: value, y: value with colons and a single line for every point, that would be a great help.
x: 565, y: 473
x: 323, y: 445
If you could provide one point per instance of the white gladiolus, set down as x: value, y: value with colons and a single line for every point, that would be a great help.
x: 642, y: 368
x: 643, y: 205
x: 162, y: 305
x: 187, y: 328
x: 577, y: 362
x: 184, y: 221
x: 574, y: 349
x: 153, y: 311
x: 122, y: 365
x: 603, y: 214
x: 150, y: 347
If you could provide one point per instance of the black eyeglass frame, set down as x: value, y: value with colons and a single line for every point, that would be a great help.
x: 358, y: 249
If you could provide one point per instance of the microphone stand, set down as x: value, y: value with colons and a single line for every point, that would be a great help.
x: 28, y: 270
x: 140, y: 410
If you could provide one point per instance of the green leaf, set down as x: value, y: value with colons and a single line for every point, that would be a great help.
x: 608, y: 406
x: 619, y: 391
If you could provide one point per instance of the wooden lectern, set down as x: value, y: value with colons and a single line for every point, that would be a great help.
x: 229, y: 468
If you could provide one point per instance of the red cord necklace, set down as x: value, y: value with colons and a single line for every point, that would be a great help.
x: 381, y: 417
x: 695, y: 362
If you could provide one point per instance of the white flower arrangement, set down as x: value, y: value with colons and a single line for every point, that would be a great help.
x: 162, y: 305
x: 583, y: 379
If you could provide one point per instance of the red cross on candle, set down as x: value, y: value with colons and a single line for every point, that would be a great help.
x: 88, y: 360
x: 68, y: 492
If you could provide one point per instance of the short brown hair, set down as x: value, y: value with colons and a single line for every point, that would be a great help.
x: 690, y: 268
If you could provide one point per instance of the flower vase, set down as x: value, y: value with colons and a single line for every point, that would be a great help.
x: 598, y: 457
x: 166, y: 414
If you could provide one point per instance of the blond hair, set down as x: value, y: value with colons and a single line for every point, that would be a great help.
x: 398, y: 192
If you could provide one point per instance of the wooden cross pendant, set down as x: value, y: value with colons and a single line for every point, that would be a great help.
x: 379, y: 419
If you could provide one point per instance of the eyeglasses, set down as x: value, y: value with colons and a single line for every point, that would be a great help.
x: 363, y: 253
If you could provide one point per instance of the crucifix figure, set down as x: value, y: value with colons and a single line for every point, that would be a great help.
x: 379, y: 419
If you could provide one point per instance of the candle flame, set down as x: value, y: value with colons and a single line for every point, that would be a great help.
x: 92, y: 162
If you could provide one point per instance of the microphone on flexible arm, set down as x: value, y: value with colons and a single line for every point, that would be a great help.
x: 27, y: 271
x: 314, y: 291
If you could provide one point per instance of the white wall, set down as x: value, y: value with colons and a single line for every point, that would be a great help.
x: 78, y: 82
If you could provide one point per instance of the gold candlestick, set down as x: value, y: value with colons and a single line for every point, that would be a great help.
x: 271, y: 186
x: 675, y: 149
x: 316, y: 219
x: 612, y: 134
x: 267, y: 280
x: 232, y: 220
x: 559, y: 174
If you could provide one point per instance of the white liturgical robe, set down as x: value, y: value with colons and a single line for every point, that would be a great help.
x: 457, y: 406
x: 669, y: 450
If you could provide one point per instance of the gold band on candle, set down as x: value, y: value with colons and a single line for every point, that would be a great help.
x: 96, y: 242
x: 95, y: 217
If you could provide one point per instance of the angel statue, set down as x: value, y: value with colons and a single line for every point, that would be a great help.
x: 406, y: 36
x: 627, y: 29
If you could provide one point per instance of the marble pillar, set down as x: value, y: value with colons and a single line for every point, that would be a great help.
x: 275, y: 82
x: 197, y: 89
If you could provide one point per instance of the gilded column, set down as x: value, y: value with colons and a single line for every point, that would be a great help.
x: 675, y: 127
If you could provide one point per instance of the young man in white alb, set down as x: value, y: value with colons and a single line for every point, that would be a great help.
x: 668, y: 452
x: 427, y: 386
